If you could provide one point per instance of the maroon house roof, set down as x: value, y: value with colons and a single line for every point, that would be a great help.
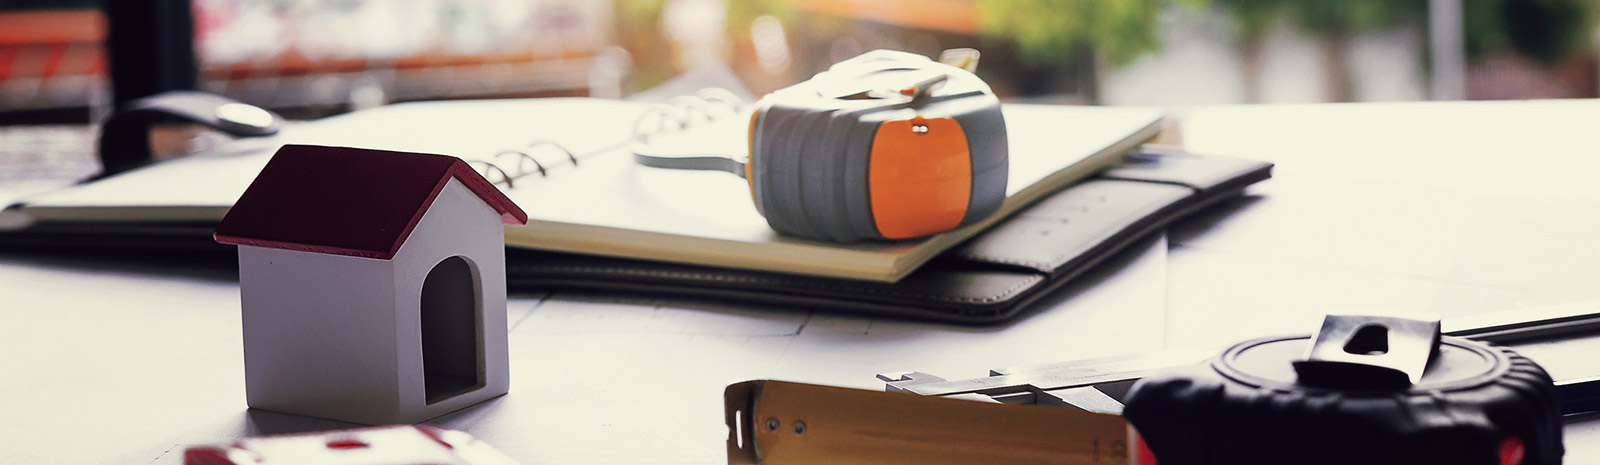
x: 348, y: 201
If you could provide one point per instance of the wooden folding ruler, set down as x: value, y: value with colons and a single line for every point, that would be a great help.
x: 1016, y: 415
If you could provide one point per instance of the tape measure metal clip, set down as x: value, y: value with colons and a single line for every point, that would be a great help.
x: 1369, y: 351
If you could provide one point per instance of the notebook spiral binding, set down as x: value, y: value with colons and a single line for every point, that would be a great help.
x: 676, y: 114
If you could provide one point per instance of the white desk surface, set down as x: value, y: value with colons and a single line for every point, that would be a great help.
x: 1456, y: 208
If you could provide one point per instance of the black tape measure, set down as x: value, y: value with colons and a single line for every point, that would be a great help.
x: 1363, y: 390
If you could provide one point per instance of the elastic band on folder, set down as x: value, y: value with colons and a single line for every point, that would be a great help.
x: 707, y: 163
x: 723, y: 96
x: 688, y: 105
x: 679, y: 110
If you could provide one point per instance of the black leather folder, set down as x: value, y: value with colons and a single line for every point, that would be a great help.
x: 989, y: 279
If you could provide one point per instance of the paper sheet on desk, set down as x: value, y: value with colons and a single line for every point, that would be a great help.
x: 1452, y: 208
x: 602, y: 380
x: 592, y: 369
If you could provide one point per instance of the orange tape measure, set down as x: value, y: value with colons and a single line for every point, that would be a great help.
x: 886, y: 145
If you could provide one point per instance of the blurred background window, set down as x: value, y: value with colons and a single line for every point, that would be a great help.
x: 51, y: 57
x: 315, y: 57
x: 286, y: 54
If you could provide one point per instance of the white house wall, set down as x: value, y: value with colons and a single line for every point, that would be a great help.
x: 318, y: 334
x: 457, y: 223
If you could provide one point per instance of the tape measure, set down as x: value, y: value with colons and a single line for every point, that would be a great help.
x: 1368, y: 390
x: 886, y: 145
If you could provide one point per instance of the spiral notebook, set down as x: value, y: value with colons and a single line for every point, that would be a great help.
x: 568, y: 163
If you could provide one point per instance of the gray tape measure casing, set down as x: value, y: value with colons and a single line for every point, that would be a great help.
x: 811, y: 144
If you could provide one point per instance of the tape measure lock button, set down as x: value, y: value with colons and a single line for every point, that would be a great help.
x: 919, y: 125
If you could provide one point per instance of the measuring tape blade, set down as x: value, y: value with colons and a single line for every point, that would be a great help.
x: 777, y: 422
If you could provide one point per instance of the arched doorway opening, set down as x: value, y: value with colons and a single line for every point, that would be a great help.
x: 452, y: 330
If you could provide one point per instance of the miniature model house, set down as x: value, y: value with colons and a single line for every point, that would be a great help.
x: 372, y: 284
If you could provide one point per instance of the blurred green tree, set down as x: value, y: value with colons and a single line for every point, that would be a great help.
x: 640, y: 31
x: 1053, y: 31
x: 1337, y: 22
x: 1254, y: 20
x: 1334, y: 23
x: 742, y: 12
x: 1065, y: 34
x: 1550, y: 32
x: 1547, y: 31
